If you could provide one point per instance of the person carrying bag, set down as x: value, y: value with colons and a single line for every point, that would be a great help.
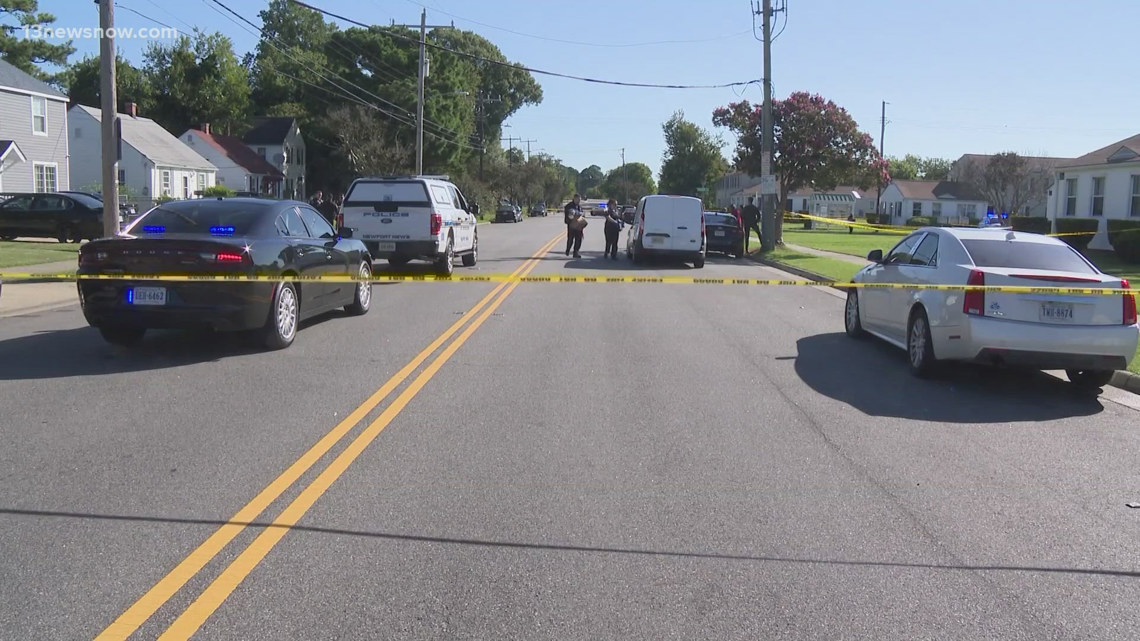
x: 575, y: 224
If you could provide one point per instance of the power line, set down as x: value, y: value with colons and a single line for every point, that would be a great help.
x: 579, y: 42
x: 146, y: 17
x: 521, y: 67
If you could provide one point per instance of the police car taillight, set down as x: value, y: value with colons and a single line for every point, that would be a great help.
x: 436, y: 224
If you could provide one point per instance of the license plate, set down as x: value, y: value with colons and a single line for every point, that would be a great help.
x: 656, y: 240
x: 387, y: 247
x: 718, y: 233
x: 1057, y: 312
x: 146, y: 296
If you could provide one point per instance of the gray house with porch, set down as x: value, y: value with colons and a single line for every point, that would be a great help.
x: 33, y: 134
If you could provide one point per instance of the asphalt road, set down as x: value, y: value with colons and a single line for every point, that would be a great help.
x: 591, y: 461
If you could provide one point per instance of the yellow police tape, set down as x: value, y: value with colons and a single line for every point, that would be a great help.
x: 500, y: 278
x: 903, y: 230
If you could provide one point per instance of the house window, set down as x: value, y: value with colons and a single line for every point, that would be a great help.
x: 1135, y: 208
x: 261, y: 151
x: 122, y: 176
x: 1098, y: 196
x: 202, y: 182
x: 44, y: 175
x: 166, y: 182
x: 936, y: 210
x: 916, y: 209
x: 39, y: 115
x: 1071, y: 197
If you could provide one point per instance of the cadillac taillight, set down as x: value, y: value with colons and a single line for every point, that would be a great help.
x: 974, y: 302
x: 1129, y: 304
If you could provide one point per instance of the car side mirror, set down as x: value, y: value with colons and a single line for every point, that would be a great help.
x: 345, y: 232
x: 876, y: 256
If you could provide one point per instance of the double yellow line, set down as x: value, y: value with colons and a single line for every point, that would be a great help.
x: 220, y: 589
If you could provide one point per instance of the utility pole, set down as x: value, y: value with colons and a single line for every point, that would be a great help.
x: 768, y: 213
x: 109, y: 118
x: 511, y: 142
x: 624, y: 181
x: 527, y: 147
x: 423, y: 26
x: 882, y: 133
x: 481, y: 109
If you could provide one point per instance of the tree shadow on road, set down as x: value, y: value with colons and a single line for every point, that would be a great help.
x: 874, y: 378
x: 83, y: 352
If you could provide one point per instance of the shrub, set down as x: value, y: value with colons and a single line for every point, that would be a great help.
x: 922, y: 221
x: 1125, y: 238
x: 218, y: 191
x: 872, y: 218
x: 165, y: 198
x: 1083, y: 230
x: 1031, y: 224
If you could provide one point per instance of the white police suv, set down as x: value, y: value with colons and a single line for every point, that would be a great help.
x: 405, y: 218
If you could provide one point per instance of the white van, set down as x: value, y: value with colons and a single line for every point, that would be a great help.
x: 412, y: 218
x: 668, y: 226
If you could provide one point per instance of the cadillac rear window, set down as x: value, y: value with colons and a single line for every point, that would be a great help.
x: 209, y: 220
x: 1015, y: 255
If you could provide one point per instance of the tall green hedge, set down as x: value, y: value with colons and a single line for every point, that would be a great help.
x: 1083, y: 230
x: 1125, y: 238
x: 1031, y: 224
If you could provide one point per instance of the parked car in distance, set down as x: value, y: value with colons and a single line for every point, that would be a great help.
x: 66, y: 217
x: 284, y: 240
x: 724, y: 234
x: 1088, y: 336
x: 598, y: 210
x: 538, y: 209
x: 508, y: 213
x: 668, y: 227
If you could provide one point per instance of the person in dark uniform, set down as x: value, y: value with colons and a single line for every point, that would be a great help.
x: 613, y: 228
x: 751, y: 215
x: 572, y: 213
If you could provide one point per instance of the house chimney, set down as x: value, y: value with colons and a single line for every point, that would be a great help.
x: 206, y: 128
x: 133, y: 109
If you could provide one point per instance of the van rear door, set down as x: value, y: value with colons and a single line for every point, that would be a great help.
x: 388, y: 213
x: 688, y: 221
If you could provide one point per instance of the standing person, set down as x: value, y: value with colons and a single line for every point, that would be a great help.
x: 751, y: 215
x: 613, y: 228
x: 572, y: 214
x: 851, y: 227
x: 317, y: 199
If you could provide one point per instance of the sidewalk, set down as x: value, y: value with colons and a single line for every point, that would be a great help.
x: 19, y: 297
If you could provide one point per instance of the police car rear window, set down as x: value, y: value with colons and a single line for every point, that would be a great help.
x: 406, y: 193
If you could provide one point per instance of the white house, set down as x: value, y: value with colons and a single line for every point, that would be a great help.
x: 239, y: 167
x: 278, y: 140
x: 154, y: 162
x: 33, y: 134
x: 730, y: 190
x: 945, y: 200
x: 1101, y: 184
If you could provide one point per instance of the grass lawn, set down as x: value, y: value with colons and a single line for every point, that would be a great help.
x: 18, y: 253
x: 859, y: 244
x: 837, y: 270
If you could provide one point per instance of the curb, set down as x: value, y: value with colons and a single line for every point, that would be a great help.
x: 1122, y: 379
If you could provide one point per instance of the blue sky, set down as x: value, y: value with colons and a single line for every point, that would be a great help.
x: 1041, y: 77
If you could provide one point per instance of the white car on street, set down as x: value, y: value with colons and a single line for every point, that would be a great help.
x: 412, y: 218
x: 1088, y: 336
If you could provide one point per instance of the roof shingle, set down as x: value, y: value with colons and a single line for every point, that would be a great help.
x: 154, y: 142
x: 11, y: 76
x: 1101, y: 156
x: 269, y: 130
x: 240, y: 153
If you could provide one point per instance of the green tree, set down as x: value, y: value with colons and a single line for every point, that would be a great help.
x: 692, y: 162
x: 817, y: 144
x: 81, y: 82
x: 202, y: 82
x: 589, y: 180
x: 366, y: 144
x: 628, y: 184
x: 21, y: 23
x: 912, y: 167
